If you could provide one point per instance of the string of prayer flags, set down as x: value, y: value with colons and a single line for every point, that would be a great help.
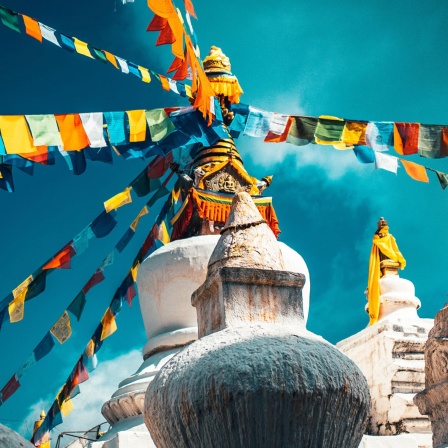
x: 9, y: 18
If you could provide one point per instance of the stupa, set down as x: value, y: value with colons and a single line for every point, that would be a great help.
x: 390, y: 351
x: 256, y: 377
x: 168, y: 277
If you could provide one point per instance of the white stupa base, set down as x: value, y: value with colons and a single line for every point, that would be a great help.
x: 399, y: 441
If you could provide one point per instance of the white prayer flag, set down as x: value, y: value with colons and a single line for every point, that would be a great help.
x: 48, y: 33
x: 278, y: 123
x: 376, y: 139
x: 258, y: 121
x: 93, y: 125
x: 385, y: 162
x: 173, y: 85
x: 123, y: 65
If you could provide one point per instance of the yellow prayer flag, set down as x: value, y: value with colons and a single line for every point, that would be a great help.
x: 146, y: 77
x: 163, y: 236
x: 16, y: 308
x: 188, y: 91
x: 175, y: 194
x: 22, y: 287
x: 109, y: 324
x: 354, y: 133
x: 16, y: 135
x: 134, y: 271
x: 66, y: 407
x: 82, y: 48
x: 137, y: 125
x: 90, y: 349
x: 118, y: 200
x: 143, y: 211
x: 62, y: 329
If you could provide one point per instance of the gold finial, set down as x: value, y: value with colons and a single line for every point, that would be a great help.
x: 42, y: 414
x: 216, y: 62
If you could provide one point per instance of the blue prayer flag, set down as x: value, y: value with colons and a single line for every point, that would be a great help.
x: 103, y: 224
x: 66, y: 42
x: 364, y: 154
x: 44, y: 347
x: 116, y: 127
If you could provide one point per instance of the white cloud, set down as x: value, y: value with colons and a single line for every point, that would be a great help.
x: 103, y: 382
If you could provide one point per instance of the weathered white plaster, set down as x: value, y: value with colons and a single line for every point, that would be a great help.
x: 391, y: 356
x: 10, y: 439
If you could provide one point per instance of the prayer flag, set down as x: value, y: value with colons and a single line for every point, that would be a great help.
x: 77, y: 306
x: 32, y: 28
x: 6, y: 180
x: 142, y: 185
x: 111, y: 58
x: 150, y: 240
x: 82, y: 48
x: 257, y: 124
x: 143, y: 211
x: 134, y: 270
x: 146, y: 77
x: 433, y: 141
x: 54, y: 415
x: 278, y: 128
x: 48, y: 33
x: 386, y: 162
x: 160, y: 126
x: 123, y: 65
x: 119, y: 200
x: 160, y: 193
x: 109, y: 324
x: 44, y: 130
x: 443, y: 179
x: 44, y: 347
x: 67, y: 43
x: 116, y: 304
x: 354, y: 133
x: 127, y: 288
x: 78, y: 159
x: 62, y: 329
x: 93, y: 126
x: 124, y: 240
x: 364, y: 154
x: 79, y: 373
x: 329, y: 130
x: 73, y: 136
x: 99, y: 55
x: 137, y: 125
x: 301, y: 131
x: 115, y: 127
x: 31, y: 360
x: 415, y: 171
x: 406, y: 138
x: 134, y: 69
x: 15, y: 134
x: 164, y: 79
x: 90, y: 363
x: 9, y: 18
x: 103, y: 224
x: 163, y: 236
x: 36, y: 286
x: 108, y: 261
x: 99, y: 154
x: 10, y: 388
x: 380, y: 135
x: 16, y: 309
x: 190, y: 8
x: 96, y: 278
x: 66, y: 407
x: 158, y: 166
x: 62, y: 259
x: 81, y: 241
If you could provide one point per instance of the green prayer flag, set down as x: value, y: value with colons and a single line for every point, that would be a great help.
x: 98, y: 54
x: 77, y: 306
x: 44, y: 130
x: 143, y: 185
x: 37, y: 285
x: 9, y: 18
x: 443, y: 179
x: 302, y: 131
x: 162, y: 191
x: 159, y: 124
x: 329, y: 129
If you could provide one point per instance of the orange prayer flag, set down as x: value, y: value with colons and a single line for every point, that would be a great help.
x: 16, y: 135
x: 163, y: 8
x: 39, y: 156
x: 190, y: 8
x: 165, y: 83
x: 417, y: 172
x: 61, y: 260
x: 32, y: 27
x: 111, y: 58
x: 137, y: 125
x: 73, y: 135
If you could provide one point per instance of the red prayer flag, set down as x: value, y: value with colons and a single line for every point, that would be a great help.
x: 150, y: 240
x: 10, y: 387
x: 272, y: 137
x: 62, y: 259
x: 96, y: 278
x: 406, y: 138
x: 159, y: 165
x: 79, y: 374
x: 166, y: 36
x: 157, y: 23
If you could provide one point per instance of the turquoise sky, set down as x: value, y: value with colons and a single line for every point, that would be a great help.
x: 382, y: 60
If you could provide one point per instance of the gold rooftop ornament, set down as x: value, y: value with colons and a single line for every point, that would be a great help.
x: 385, y: 257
